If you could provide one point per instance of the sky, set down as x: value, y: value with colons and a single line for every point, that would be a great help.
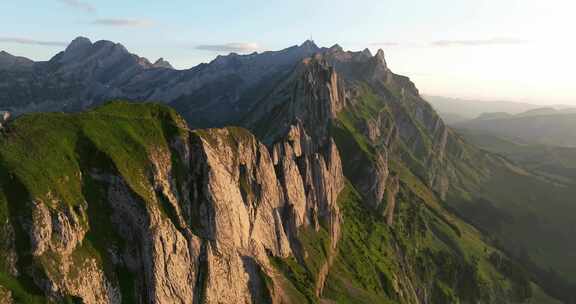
x: 519, y: 50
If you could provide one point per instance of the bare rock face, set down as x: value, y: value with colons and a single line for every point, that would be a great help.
x: 5, y: 295
x: 60, y: 233
x: 4, y: 117
x: 255, y: 204
x: 391, y: 191
x: 258, y: 198
x: 161, y: 63
x: 240, y: 201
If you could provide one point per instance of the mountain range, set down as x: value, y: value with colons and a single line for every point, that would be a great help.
x: 455, y: 110
x: 544, y: 126
x: 306, y: 175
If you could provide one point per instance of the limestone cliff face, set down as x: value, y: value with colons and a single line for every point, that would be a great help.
x: 304, y: 153
x: 255, y: 204
x: 392, y: 190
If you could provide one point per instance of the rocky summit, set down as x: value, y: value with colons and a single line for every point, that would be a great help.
x: 306, y: 175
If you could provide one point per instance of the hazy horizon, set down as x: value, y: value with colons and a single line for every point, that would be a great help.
x: 483, y: 50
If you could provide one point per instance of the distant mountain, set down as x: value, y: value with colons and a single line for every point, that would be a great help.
x: 9, y: 62
x: 161, y: 63
x: 547, y: 111
x: 451, y: 118
x: 470, y: 109
x: 87, y: 74
x: 494, y: 115
x: 550, y: 161
x: 543, y: 126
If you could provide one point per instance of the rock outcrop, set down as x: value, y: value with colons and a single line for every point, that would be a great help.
x: 161, y: 63
x: 392, y: 190
x: 4, y: 117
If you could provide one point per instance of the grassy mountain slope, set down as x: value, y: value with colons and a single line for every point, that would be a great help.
x: 46, y: 157
x: 527, y: 214
x: 426, y: 242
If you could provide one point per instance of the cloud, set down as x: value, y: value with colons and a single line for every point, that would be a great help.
x: 384, y: 44
x: 236, y: 47
x: 117, y: 22
x: 493, y: 41
x: 80, y: 5
x: 28, y: 41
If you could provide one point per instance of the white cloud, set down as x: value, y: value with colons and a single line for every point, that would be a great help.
x: 384, y: 44
x: 120, y: 22
x: 493, y: 41
x: 28, y: 41
x: 80, y: 5
x: 237, y: 47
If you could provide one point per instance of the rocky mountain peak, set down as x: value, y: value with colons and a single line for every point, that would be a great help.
x: 77, y: 48
x: 83, y: 55
x: 309, y: 45
x: 9, y: 61
x: 161, y: 63
x: 79, y: 43
x: 4, y: 56
x: 367, y: 52
x: 380, y: 57
x: 336, y: 48
x: 82, y: 46
x: 106, y: 44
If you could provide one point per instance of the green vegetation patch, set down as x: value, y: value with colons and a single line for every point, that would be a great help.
x: 51, y: 157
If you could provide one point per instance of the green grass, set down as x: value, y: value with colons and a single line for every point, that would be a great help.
x: 125, y: 132
x: 316, y: 245
x: 361, y: 270
x: 421, y: 247
x: 298, y: 276
x: 303, y: 274
x: 365, y: 267
x: 533, y: 206
x: 19, y: 293
x: 50, y: 157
